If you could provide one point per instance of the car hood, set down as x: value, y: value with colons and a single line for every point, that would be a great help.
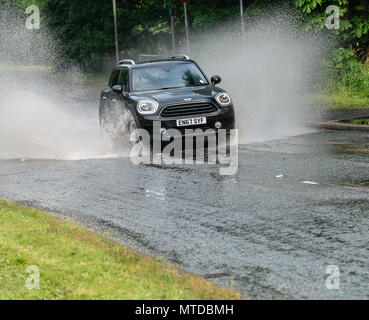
x: 164, y: 97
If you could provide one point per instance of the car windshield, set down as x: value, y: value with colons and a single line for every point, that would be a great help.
x: 167, y: 76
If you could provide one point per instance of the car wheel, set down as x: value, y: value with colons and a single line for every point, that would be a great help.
x: 126, y: 126
x: 106, y: 125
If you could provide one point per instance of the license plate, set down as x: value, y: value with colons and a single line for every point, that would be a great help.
x: 191, y: 122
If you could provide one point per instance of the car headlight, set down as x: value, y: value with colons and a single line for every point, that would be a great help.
x: 147, y: 106
x: 223, y: 99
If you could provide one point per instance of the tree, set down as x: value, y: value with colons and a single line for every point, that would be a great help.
x: 84, y: 30
x: 354, y: 25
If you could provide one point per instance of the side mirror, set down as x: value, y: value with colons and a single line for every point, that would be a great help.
x: 117, y: 89
x: 215, y: 80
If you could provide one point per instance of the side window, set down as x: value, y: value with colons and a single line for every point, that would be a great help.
x: 114, y: 79
x: 124, y: 79
x: 111, y: 78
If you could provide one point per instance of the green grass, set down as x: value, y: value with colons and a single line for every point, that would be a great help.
x: 360, y: 122
x: 343, y: 99
x: 76, y: 263
x: 24, y: 68
x: 99, y: 80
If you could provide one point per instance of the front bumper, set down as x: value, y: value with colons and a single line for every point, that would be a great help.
x: 225, y: 115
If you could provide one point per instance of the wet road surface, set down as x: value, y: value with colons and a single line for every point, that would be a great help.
x: 268, y: 237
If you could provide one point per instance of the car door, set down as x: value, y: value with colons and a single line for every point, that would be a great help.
x: 123, y: 80
x: 124, y: 83
x: 117, y: 100
x: 112, y: 96
x: 106, y: 97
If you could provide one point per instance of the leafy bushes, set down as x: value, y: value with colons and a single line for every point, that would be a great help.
x: 348, y: 73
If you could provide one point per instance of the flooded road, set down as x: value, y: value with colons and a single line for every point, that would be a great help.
x: 296, y: 206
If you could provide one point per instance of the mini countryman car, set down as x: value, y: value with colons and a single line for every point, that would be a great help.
x: 174, y: 91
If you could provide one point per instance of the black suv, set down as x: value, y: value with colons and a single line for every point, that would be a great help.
x: 174, y: 91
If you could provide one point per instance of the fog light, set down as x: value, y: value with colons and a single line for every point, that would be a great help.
x: 218, y: 125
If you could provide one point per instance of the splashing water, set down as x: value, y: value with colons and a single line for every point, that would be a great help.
x: 269, y: 70
x: 40, y: 114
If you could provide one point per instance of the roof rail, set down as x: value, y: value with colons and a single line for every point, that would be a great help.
x: 180, y: 56
x: 126, y: 61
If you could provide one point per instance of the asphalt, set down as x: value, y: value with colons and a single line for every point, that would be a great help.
x: 296, y: 206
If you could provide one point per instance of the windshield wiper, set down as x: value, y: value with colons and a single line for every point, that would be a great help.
x: 170, y: 88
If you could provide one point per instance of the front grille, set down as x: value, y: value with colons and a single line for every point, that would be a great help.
x: 190, y: 109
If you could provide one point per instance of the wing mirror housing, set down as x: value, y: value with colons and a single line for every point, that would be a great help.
x: 117, y: 89
x: 215, y: 80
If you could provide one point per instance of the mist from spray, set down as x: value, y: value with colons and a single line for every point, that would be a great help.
x: 271, y: 70
x: 41, y: 115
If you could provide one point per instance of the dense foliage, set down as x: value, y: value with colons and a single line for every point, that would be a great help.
x: 86, y: 34
x: 86, y: 28
x: 348, y: 66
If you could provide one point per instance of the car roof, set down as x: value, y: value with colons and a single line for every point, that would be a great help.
x: 143, y: 64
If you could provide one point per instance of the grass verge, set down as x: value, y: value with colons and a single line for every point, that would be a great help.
x: 96, y: 80
x: 24, y: 68
x: 76, y: 263
x: 358, y: 122
x: 343, y: 99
